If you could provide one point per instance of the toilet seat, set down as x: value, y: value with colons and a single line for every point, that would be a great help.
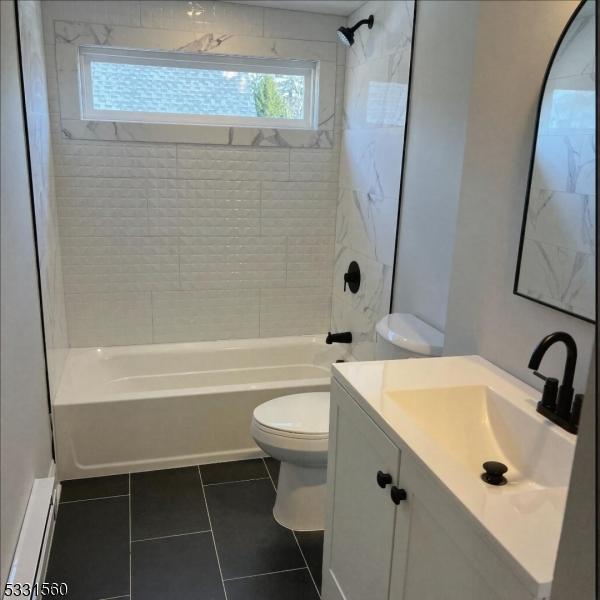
x: 301, y: 416
x: 294, y: 429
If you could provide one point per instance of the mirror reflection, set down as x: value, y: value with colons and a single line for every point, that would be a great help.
x: 557, y: 254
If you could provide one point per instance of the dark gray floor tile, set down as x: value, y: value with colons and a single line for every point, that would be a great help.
x: 233, y: 471
x: 248, y: 538
x: 289, y: 585
x: 95, y: 487
x: 90, y: 549
x: 167, y: 502
x: 177, y: 568
x: 273, y: 467
x: 311, y: 543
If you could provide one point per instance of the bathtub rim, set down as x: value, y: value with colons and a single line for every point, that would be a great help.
x: 87, y: 357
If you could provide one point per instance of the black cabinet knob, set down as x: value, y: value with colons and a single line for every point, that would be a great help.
x: 397, y: 494
x: 383, y: 479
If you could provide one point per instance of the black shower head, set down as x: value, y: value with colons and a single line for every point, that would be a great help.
x: 346, y: 34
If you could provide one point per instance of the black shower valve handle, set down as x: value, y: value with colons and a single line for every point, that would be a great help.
x: 352, y: 277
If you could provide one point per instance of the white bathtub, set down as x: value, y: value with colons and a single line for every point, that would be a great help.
x: 136, y: 408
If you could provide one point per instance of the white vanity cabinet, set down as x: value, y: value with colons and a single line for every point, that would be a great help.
x: 423, y: 548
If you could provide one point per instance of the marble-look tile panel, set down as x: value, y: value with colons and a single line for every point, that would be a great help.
x: 376, y: 94
x: 565, y: 163
x: 559, y: 276
x: 360, y: 312
x: 367, y: 223
x: 371, y: 161
x: 109, y: 12
x: 391, y: 32
x: 562, y: 219
x: 204, y: 315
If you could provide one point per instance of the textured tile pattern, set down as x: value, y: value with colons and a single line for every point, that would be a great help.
x: 196, y: 532
x: 184, y: 242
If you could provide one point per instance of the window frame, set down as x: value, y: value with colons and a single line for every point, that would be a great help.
x: 306, y: 68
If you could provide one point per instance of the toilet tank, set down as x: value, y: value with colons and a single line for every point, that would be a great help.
x: 402, y: 335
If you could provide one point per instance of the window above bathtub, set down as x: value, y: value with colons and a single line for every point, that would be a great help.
x: 89, y: 53
x: 145, y: 86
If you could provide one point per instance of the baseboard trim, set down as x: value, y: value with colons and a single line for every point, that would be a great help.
x: 35, y: 539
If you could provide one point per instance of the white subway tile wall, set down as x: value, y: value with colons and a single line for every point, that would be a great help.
x: 180, y: 242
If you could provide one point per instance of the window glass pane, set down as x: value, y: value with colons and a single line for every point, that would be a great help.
x: 180, y: 90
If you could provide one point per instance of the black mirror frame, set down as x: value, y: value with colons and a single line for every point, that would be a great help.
x: 530, y: 176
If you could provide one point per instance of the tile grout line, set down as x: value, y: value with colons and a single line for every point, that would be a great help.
x: 295, y: 538
x: 165, y: 537
x: 92, y: 499
x: 212, y: 533
x: 267, y: 573
x: 236, y: 481
x: 130, y: 578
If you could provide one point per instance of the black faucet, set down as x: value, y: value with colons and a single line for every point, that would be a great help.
x: 340, y: 338
x: 557, y: 403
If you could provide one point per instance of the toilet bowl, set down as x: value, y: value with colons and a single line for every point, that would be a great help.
x: 295, y: 430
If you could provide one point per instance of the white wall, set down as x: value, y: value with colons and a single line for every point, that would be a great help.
x: 25, y: 425
x: 377, y: 74
x: 175, y: 242
x: 439, y: 104
x: 512, y: 50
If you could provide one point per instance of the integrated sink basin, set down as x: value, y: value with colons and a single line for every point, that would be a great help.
x: 455, y: 413
x: 474, y: 424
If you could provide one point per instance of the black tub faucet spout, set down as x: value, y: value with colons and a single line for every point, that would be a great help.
x: 339, y: 338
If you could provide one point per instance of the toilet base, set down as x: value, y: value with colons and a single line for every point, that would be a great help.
x: 300, y: 502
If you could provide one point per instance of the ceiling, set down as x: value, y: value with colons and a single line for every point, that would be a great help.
x: 329, y: 7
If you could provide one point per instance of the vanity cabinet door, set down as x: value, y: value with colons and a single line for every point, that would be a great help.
x: 359, y: 534
x: 440, y: 556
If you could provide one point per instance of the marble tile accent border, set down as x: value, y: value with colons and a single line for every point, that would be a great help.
x: 69, y: 35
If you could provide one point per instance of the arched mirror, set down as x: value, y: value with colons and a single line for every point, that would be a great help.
x: 556, y: 264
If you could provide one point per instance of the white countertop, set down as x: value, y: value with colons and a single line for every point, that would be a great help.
x: 522, y: 519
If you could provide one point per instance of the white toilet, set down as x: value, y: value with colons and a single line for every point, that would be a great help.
x: 295, y: 429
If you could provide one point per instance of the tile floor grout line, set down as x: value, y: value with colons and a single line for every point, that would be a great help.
x: 92, y: 499
x: 165, y: 537
x: 236, y: 481
x: 212, y: 533
x: 113, y: 598
x: 306, y: 563
x: 130, y: 578
x: 295, y: 538
x: 267, y: 573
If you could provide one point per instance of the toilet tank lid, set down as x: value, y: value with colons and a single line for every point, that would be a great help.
x: 409, y: 332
